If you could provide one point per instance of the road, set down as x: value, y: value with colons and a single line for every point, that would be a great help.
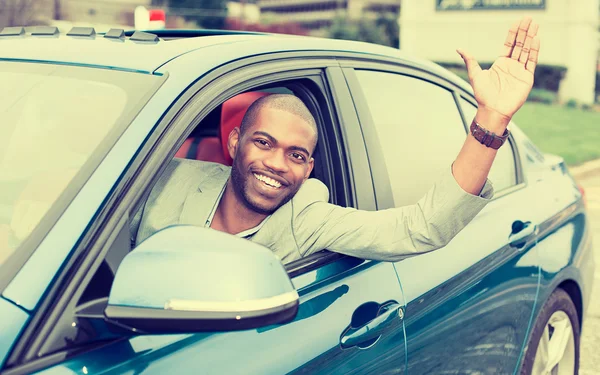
x: 590, y: 341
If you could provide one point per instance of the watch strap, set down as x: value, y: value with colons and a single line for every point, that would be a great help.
x: 486, y: 137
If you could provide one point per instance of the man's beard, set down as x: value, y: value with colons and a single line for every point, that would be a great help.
x: 240, y: 187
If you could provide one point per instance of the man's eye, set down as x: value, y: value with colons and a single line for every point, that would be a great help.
x: 298, y: 156
x: 262, y: 143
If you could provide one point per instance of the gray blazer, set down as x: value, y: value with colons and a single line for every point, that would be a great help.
x: 188, y: 191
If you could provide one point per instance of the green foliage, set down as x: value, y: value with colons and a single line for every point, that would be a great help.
x: 587, y: 107
x: 388, y: 22
x: 546, y: 77
x: 209, y: 14
x: 551, y: 128
x: 542, y: 96
x: 383, y: 30
x: 571, y: 103
x: 598, y: 86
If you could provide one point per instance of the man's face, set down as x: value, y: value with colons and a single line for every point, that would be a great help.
x: 271, y: 159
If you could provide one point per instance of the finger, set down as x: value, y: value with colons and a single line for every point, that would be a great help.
x: 531, y: 33
x: 510, y: 39
x: 533, y: 55
x: 520, y: 41
x: 472, y: 65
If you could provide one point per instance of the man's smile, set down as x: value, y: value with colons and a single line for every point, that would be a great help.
x: 268, y: 181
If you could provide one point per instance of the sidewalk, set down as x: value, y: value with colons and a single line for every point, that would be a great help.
x: 586, y: 169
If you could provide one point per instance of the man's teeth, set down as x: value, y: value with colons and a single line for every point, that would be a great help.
x: 267, y: 180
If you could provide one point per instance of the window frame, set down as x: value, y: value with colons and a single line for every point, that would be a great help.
x: 383, y: 186
x: 382, y: 183
x: 161, y: 145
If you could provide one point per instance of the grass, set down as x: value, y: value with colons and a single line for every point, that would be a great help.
x: 571, y: 133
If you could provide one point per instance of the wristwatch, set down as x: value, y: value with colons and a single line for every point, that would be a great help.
x: 486, y: 137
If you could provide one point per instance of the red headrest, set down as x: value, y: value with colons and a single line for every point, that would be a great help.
x: 232, y: 113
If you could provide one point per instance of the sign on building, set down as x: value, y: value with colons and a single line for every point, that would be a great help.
x: 489, y: 4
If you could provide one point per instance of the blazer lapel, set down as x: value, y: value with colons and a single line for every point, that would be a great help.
x: 199, y: 203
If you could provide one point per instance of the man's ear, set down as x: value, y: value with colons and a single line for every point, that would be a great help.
x: 232, y: 142
x: 311, y: 165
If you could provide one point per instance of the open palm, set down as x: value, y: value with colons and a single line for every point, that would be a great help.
x: 505, y: 86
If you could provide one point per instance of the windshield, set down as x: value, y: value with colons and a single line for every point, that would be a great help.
x: 52, y: 119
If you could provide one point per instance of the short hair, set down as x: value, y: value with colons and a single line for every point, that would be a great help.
x: 284, y: 102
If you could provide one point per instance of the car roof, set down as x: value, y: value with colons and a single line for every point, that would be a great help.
x: 144, y: 52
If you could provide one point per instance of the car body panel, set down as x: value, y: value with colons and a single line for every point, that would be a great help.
x: 480, y: 295
x: 12, y: 321
x: 308, y: 345
x: 484, y: 311
x: 143, y: 57
x: 147, y: 57
x: 565, y: 244
x: 473, y: 310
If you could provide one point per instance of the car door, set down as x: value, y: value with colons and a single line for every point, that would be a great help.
x: 339, y: 303
x: 469, y: 304
x: 350, y: 318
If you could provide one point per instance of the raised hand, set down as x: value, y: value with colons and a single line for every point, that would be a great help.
x: 502, y: 89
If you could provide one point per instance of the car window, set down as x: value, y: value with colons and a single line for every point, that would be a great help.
x: 53, y: 119
x: 419, y: 129
x: 503, y: 173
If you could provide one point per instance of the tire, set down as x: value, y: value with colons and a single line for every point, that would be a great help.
x: 559, y: 306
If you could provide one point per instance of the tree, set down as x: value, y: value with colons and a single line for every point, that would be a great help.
x: 209, y: 14
x: 276, y: 27
x: 388, y: 22
x: 19, y: 12
x: 383, y: 30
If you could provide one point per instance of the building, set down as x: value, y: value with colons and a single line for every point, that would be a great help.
x: 100, y: 12
x: 434, y: 29
x: 318, y: 14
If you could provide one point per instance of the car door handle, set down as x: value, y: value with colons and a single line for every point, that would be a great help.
x: 522, y: 233
x: 373, y: 329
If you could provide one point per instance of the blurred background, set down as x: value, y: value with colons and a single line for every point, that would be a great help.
x: 569, y: 63
x: 567, y: 83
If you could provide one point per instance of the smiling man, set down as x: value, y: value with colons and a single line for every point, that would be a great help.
x: 267, y: 197
x: 272, y: 158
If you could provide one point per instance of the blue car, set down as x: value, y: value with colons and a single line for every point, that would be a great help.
x: 89, y: 121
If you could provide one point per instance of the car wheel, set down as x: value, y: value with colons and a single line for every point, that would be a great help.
x: 553, y: 347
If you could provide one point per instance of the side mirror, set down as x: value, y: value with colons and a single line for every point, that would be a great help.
x: 187, y: 279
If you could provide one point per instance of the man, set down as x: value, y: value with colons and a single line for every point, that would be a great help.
x: 267, y: 197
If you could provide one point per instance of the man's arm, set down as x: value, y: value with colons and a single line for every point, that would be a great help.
x: 388, y: 235
x: 500, y: 92
x: 457, y: 197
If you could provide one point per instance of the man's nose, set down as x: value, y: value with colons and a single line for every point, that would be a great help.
x: 276, y: 161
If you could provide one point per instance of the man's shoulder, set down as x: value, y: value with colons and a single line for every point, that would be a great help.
x: 312, y: 190
x: 183, y: 175
x: 197, y: 168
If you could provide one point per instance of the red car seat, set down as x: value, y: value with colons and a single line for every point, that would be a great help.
x: 214, y: 149
x: 232, y: 113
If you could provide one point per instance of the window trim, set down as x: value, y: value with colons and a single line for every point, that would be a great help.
x: 168, y: 135
x: 383, y: 186
x: 383, y: 189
